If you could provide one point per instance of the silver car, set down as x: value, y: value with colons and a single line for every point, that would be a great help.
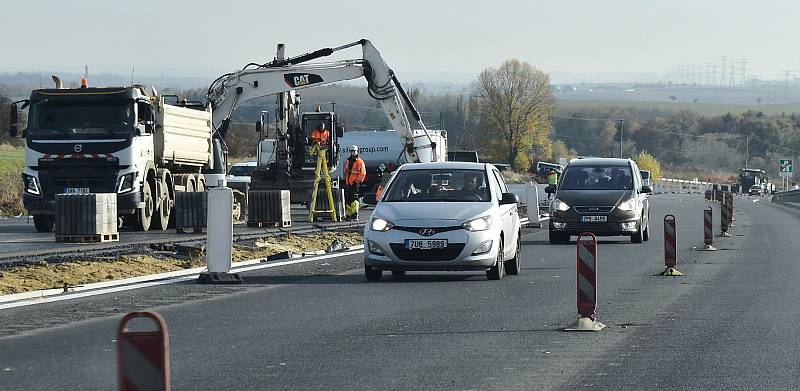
x: 444, y: 216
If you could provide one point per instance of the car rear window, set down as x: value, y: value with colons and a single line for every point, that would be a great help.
x: 597, y: 178
x: 442, y: 185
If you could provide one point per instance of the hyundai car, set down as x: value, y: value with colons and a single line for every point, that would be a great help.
x: 444, y: 216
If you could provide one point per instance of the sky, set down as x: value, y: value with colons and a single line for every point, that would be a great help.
x: 422, y: 40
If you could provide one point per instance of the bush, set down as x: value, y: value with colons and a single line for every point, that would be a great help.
x: 11, y: 164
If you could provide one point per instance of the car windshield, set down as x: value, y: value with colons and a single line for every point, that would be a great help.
x: 597, y: 178
x: 447, y: 185
x: 242, y: 170
x: 72, y: 121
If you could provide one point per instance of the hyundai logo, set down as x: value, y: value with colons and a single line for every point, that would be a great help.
x: 427, y: 231
x: 593, y: 209
x: 78, y: 148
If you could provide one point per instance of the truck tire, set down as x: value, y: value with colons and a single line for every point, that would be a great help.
x: 44, y: 223
x: 164, y: 212
x: 145, y: 214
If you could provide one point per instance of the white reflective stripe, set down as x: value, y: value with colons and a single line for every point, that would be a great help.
x: 586, y: 257
x: 138, y: 370
x: 586, y: 287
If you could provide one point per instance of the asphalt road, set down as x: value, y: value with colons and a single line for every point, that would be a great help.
x: 727, y: 324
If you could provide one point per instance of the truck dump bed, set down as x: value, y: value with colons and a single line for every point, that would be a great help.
x: 184, y: 137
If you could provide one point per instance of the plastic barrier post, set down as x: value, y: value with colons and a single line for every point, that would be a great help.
x: 532, y: 195
x: 143, y: 356
x: 670, y: 247
x: 731, y: 217
x: 724, y: 218
x: 586, y: 245
x: 708, y: 229
x: 220, y: 239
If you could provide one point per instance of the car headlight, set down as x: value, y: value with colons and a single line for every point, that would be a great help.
x: 479, y: 224
x: 31, y: 184
x: 379, y: 224
x: 628, y: 205
x: 559, y: 205
x: 125, y: 182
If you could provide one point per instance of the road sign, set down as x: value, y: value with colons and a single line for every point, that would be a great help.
x: 785, y: 166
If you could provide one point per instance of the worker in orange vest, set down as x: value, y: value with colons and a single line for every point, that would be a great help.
x: 320, y: 135
x: 355, y: 171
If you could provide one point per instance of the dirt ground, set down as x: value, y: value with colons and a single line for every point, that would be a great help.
x: 96, y: 269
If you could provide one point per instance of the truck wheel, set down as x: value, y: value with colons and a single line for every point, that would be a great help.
x: 164, y: 212
x: 146, y: 213
x: 44, y: 223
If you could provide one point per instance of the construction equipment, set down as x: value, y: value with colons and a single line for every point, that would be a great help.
x: 321, y: 172
x: 290, y: 166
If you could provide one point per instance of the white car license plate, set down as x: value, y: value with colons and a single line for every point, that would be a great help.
x: 425, y: 244
x: 76, y: 190
x: 594, y: 219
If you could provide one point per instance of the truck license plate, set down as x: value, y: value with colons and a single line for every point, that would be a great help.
x: 76, y: 190
x: 425, y: 244
x: 594, y: 219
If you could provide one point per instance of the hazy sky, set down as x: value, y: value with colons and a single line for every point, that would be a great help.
x: 447, y: 40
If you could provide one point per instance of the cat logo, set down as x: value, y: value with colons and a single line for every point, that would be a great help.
x: 295, y: 80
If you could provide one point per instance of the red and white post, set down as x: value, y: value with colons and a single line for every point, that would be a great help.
x: 586, y: 282
x: 143, y: 356
x: 708, y: 229
x: 724, y: 216
x: 731, y: 217
x: 670, y: 247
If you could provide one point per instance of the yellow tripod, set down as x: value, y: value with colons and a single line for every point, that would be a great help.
x: 321, y: 171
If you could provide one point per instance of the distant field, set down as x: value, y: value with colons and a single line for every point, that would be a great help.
x: 701, y: 108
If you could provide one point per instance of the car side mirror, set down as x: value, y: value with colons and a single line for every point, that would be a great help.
x: 647, y: 189
x: 370, y: 198
x: 509, y: 198
x: 550, y: 189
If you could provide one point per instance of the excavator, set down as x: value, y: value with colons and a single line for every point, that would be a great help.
x: 292, y: 165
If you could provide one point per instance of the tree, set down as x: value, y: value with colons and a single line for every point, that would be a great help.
x: 517, y: 104
x: 646, y: 161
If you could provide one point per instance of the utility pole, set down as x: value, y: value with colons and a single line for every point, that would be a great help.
x: 621, y: 133
x: 746, y: 151
x: 333, y: 106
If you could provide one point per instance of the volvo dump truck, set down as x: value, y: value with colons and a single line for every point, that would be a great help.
x: 123, y: 140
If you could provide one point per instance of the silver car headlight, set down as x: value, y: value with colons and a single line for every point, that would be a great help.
x: 381, y: 225
x: 628, y: 205
x: 479, y: 224
x: 559, y: 205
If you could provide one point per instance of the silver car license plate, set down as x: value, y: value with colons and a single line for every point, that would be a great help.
x: 76, y: 190
x: 594, y: 219
x: 425, y: 244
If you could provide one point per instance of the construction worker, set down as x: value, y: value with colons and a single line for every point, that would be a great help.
x: 320, y: 135
x: 552, y: 180
x: 355, y: 171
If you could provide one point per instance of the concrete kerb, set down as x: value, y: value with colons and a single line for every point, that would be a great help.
x: 99, y: 288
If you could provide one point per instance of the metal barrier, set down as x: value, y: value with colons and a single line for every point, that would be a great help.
x: 787, y: 196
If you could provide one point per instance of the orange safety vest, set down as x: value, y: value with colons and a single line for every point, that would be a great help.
x: 320, y: 136
x: 356, y: 172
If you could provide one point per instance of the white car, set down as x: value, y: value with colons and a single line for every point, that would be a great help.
x: 433, y: 216
x: 240, y: 172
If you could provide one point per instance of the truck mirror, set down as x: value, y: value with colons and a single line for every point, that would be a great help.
x: 339, y: 130
x: 259, y: 126
x: 550, y: 189
x: 13, y: 126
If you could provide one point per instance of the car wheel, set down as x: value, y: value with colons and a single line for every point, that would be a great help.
x: 512, y: 267
x: 496, y: 272
x: 558, y: 237
x: 638, y: 237
x: 371, y: 274
x: 647, y: 232
x: 44, y: 223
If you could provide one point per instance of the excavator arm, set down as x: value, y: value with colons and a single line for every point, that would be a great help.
x: 236, y: 88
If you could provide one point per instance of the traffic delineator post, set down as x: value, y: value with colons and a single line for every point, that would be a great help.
x: 586, y: 282
x: 708, y: 229
x: 670, y: 247
x: 724, y: 218
x: 731, y: 217
x: 143, y: 356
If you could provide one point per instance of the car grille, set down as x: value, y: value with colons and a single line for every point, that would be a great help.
x: 448, y: 253
x: 594, y: 209
x: 593, y: 226
x: 436, y: 229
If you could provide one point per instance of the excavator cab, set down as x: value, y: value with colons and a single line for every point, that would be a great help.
x: 314, y: 120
